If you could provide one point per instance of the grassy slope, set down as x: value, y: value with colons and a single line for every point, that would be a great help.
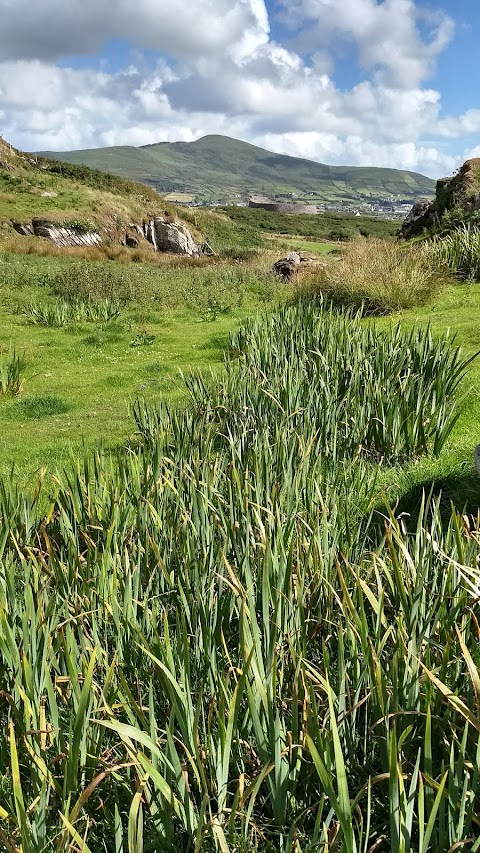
x: 36, y: 188
x: 219, y: 165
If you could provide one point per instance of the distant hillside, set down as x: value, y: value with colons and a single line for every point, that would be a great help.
x: 218, y: 167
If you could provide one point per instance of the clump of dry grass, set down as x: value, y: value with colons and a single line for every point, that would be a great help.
x: 381, y: 275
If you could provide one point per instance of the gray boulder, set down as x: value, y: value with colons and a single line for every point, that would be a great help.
x: 421, y: 216
x: 131, y: 241
x: 62, y: 236
x: 170, y: 237
x: 24, y: 230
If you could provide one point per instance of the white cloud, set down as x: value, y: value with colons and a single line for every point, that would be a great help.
x: 220, y: 71
x: 386, y: 35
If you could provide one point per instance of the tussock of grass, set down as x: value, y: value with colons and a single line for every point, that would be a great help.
x: 12, y: 369
x: 381, y: 275
x: 62, y: 312
x: 41, y: 406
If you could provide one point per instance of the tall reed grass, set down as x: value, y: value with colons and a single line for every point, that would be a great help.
x: 459, y: 252
x: 212, y: 643
x: 12, y: 372
x: 62, y: 312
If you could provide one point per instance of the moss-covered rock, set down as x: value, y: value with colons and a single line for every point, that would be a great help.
x: 457, y: 200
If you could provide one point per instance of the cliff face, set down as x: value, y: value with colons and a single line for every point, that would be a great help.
x: 459, y: 195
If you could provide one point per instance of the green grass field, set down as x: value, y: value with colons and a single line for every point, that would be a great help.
x: 300, y: 244
x: 239, y: 532
x: 176, y: 320
x: 97, y: 370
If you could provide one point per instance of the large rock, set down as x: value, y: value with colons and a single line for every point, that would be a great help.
x: 168, y: 236
x: 63, y: 236
x: 131, y: 241
x: 287, y: 267
x: 58, y: 234
x: 421, y: 216
x: 26, y: 230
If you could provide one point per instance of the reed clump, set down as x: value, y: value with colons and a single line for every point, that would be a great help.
x: 458, y: 251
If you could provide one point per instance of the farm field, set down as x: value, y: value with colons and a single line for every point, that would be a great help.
x: 248, y: 621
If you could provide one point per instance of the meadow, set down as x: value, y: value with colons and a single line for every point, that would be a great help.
x: 81, y: 374
x: 249, y: 620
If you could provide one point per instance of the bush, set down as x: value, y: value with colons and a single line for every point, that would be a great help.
x: 380, y: 275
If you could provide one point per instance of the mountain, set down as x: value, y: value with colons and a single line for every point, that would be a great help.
x: 220, y: 168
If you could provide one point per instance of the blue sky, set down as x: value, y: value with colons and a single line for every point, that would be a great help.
x: 380, y: 82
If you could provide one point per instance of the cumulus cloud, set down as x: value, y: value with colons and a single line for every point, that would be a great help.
x: 221, y: 71
x: 386, y: 35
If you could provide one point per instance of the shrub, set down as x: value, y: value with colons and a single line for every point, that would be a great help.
x: 381, y: 275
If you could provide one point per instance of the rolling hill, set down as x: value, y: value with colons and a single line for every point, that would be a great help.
x: 221, y: 168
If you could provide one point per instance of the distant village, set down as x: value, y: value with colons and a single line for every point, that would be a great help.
x: 389, y: 207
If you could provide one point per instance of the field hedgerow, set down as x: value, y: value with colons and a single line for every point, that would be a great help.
x: 212, y: 643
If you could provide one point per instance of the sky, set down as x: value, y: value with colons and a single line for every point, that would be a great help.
x: 359, y: 82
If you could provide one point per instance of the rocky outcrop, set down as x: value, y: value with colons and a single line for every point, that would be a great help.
x: 460, y: 193
x: 420, y: 218
x: 58, y: 234
x: 166, y: 236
